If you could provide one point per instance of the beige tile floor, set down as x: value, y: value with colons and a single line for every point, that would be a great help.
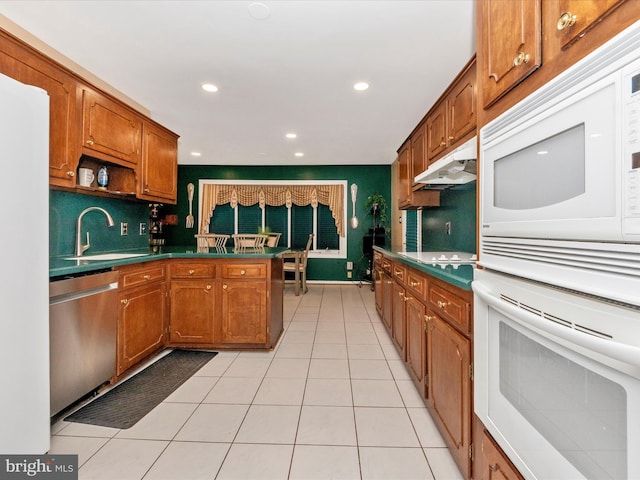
x: 331, y: 401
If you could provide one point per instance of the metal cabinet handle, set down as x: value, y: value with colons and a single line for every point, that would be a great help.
x: 521, y: 58
x: 71, y: 173
x: 89, y: 142
x: 566, y: 20
x: 224, y: 287
x: 242, y: 272
x: 191, y: 272
x: 209, y: 287
x: 124, y: 301
x: 147, y: 277
x: 442, y: 304
x: 400, y: 295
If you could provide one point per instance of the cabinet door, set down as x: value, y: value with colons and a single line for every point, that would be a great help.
x: 448, y: 363
x: 387, y: 301
x: 141, y: 324
x: 158, y: 177
x: 437, y: 132
x: 192, y: 311
x: 510, y: 48
x: 110, y: 132
x: 377, y: 277
x: 418, y: 164
x: 495, y: 465
x: 244, y: 312
x: 461, y: 104
x: 576, y: 17
x: 404, y: 171
x: 416, y: 359
x: 399, y: 320
x: 21, y: 64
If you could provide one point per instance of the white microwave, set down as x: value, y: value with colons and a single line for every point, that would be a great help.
x: 560, y: 175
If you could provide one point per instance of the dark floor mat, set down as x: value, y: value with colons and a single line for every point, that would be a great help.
x: 127, y: 403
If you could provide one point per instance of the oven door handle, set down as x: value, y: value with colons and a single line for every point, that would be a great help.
x: 609, y: 348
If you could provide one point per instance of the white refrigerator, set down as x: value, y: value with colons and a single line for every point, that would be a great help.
x: 24, y: 246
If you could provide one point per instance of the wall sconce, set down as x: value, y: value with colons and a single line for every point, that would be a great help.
x: 354, y: 194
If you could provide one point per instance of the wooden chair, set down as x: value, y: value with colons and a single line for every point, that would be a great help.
x: 273, y: 239
x: 205, y: 241
x: 244, y: 241
x: 298, y: 265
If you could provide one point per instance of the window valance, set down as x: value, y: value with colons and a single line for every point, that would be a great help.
x: 273, y: 195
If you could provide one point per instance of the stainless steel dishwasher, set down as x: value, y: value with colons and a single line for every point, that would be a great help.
x: 83, y: 314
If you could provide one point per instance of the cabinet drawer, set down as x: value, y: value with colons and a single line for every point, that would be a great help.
x: 417, y: 283
x: 139, y: 276
x: 192, y: 270
x: 377, y: 258
x: 244, y: 270
x: 386, y: 264
x: 399, y: 273
x: 451, y: 307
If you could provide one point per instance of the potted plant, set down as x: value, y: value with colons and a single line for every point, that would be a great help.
x: 377, y: 207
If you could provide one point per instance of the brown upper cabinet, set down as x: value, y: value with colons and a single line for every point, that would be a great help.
x: 451, y: 120
x: 511, y: 46
x: 574, y: 19
x: 453, y: 117
x: 29, y: 67
x: 519, y: 37
x: 89, y: 128
x: 110, y: 131
x: 158, y: 170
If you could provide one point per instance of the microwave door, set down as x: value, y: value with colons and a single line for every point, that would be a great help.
x: 556, y: 175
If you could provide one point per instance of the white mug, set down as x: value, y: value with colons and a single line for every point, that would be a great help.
x: 85, y: 177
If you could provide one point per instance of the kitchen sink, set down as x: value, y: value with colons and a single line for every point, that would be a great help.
x: 107, y: 256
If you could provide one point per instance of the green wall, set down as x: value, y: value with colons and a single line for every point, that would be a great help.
x: 64, y: 208
x: 369, y: 178
x: 458, y: 206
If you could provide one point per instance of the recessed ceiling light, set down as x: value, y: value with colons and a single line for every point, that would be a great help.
x: 196, y: 154
x: 209, y: 87
x: 360, y: 86
x: 291, y: 135
x: 299, y: 154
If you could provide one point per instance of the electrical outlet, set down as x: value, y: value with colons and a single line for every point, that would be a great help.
x: 349, y: 265
x: 124, y: 228
x: 349, y: 274
x: 143, y: 228
x: 447, y: 228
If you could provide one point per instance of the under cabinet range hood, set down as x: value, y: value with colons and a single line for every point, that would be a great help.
x: 456, y: 168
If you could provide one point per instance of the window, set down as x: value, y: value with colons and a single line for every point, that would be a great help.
x: 295, y: 223
x: 412, y: 231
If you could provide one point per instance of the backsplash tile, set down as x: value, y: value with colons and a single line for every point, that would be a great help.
x: 64, y: 208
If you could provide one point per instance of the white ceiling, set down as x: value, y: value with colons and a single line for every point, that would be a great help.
x: 292, y: 71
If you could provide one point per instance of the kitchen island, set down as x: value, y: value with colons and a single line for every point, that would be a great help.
x: 180, y: 297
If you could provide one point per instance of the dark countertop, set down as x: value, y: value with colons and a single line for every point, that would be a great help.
x: 60, y: 266
x: 460, y: 277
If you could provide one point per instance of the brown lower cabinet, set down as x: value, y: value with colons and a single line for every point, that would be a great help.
x: 490, y: 463
x: 430, y: 322
x: 208, y: 303
x: 142, y: 313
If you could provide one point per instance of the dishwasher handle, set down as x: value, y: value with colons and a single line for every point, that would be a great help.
x: 69, y: 297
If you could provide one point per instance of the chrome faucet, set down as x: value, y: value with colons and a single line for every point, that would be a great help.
x: 80, y: 248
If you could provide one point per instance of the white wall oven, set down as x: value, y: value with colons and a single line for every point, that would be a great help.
x: 557, y: 297
x: 560, y: 177
x: 557, y: 379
